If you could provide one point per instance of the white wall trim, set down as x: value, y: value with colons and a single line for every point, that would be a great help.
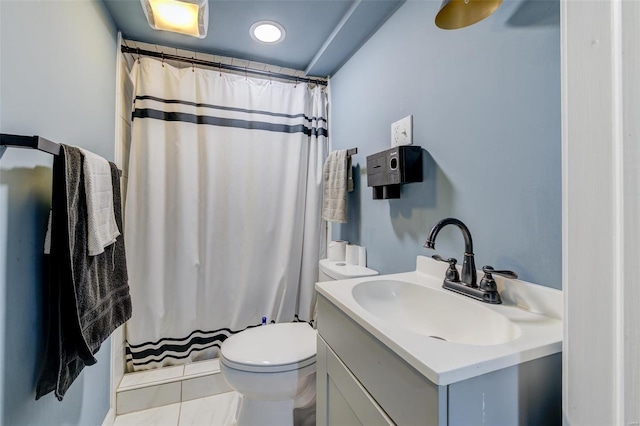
x: 601, y: 211
x: 629, y: 30
x: 618, y: 225
x: 117, y: 143
x: 116, y: 338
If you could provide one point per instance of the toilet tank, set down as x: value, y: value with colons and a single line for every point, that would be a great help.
x: 339, y: 270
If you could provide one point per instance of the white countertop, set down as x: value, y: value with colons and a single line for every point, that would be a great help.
x: 535, y: 309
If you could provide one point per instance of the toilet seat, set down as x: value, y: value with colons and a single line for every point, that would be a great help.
x: 271, y: 348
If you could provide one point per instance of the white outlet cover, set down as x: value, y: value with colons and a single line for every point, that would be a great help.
x: 402, y: 131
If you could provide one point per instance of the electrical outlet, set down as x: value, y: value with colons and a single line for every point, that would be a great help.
x: 402, y: 131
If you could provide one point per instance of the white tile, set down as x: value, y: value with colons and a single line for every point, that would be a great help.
x: 288, y: 71
x: 225, y: 60
x: 125, y: 183
x: 219, y: 410
x: 212, y: 384
x: 148, y: 397
x: 128, y: 57
x: 117, y: 351
x: 207, y: 57
x: 118, y: 365
x: 117, y: 337
x: 239, y: 62
x: 186, y: 53
x: 147, y: 46
x: 155, y: 376
x: 126, y: 99
x: 273, y: 68
x: 165, y: 49
x: 257, y: 66
x: 126, y: 151
x: 167, y: 415
x: 200, y: 367
x: 130, y: 43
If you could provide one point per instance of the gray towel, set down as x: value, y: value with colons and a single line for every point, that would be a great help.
x: 88, y: 296
x: 334, y: 200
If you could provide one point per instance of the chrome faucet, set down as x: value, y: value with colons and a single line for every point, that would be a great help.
x: 487, y: 291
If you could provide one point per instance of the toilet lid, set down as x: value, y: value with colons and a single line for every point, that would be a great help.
x: 273, y: 347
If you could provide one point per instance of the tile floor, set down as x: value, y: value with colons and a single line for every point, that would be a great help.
x: 217, y: 410
x: 170, y: 385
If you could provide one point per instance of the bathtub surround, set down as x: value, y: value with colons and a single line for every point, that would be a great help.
x: 50, y: 70
x: 223, y: 169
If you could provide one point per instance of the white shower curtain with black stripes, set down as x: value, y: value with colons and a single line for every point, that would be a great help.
x: 222, y: 217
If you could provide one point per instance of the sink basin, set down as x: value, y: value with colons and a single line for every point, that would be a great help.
x: 434, y: 313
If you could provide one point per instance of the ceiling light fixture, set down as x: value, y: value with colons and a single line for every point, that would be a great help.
x: 267, y: 32
x: 190, y: 17
x: 456, y: 14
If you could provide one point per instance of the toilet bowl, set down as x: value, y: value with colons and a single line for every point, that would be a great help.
x: 273, y: 367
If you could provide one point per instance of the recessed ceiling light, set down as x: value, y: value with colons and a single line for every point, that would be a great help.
x: 188, y: 17
x: 267, y: 32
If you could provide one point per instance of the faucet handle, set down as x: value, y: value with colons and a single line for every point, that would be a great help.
x: 505, y: 273
x: 452, y: 272
x: 487, y: 283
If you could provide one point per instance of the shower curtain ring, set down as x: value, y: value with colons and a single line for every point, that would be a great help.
x: 162, y: 59
x: 138, y: 54
x: 245, y: 73
x: 193, y: 67
x: 220, y: 68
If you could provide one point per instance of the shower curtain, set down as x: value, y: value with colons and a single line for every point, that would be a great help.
x: 222, y: 217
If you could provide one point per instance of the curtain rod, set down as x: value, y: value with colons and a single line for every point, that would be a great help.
x: 170, y: 57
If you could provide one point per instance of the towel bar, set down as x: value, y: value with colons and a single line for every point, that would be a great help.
x: 31, y: 142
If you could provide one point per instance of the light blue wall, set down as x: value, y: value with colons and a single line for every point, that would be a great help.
x: 57, y: 80
x: 486, y: 106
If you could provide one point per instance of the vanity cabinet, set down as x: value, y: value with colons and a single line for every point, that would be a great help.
x: 361, y: 381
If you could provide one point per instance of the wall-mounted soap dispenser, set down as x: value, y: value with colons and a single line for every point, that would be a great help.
x: 387, y: 170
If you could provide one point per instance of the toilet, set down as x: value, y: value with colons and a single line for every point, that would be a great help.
x: 273, y: 367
